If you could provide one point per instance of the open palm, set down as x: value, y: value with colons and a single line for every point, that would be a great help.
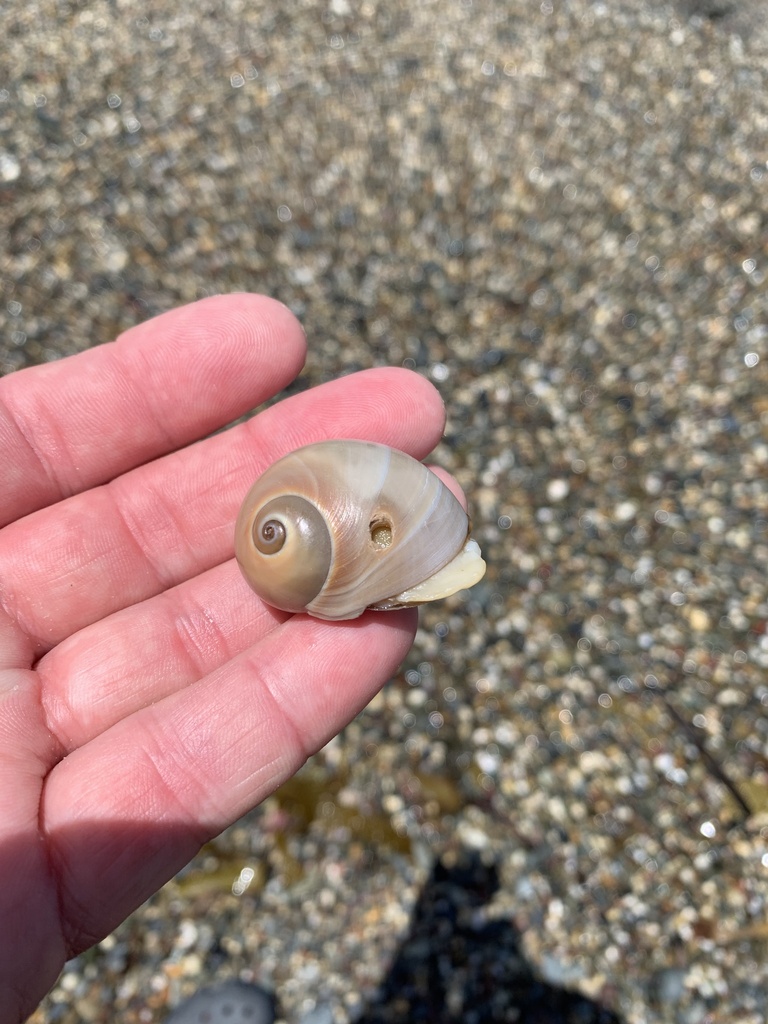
x: 147, y: 697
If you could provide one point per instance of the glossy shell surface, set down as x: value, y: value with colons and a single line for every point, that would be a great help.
x: 341, y: 526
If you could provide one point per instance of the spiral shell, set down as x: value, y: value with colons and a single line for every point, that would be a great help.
x: 341, y: 526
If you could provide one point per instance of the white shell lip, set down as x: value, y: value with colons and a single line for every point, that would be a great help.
x: 462, y: 572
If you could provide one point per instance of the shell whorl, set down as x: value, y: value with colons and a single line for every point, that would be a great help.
x: 286, y: 545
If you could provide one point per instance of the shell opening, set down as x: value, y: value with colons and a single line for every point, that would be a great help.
x: 381, y: 531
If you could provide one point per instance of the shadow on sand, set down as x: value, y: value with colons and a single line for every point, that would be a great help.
x: 456, y: 967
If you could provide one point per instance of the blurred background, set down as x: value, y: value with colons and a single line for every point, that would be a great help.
x: 558, y: 213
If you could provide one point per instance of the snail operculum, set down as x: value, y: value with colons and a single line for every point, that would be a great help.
x: 461, y: 573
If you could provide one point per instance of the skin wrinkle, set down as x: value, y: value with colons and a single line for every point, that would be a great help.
x: 26, y: 437
x: 12, y: 634
x: 136, y: 535
x: 266, y: 684
x: 46, y: 751
x: 29, y: 625
x: 194, y: 640
x: 282, y: 688
x: 58, y: 576
x: 157, y: 745
x: 139, y: 394
x: 43, y: 644
x: 171, y: 764
x: 39, y: 645
x: 46, y: 851
x: 291, y: 755
x: 78, y: 661
x: 161, y: 510
x: 66, y: 711
x: 55, y: 708
x: 207, y: 810
x: 61, y: 711
x: 54, y: 875
x: 36, y: 419
x: 149, y: 564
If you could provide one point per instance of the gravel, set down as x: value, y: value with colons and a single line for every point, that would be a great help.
x: 559, y: 215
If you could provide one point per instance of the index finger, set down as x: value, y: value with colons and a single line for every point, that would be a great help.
x: 222, y: 355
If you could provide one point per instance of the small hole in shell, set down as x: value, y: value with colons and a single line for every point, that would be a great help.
x: 381, y: 532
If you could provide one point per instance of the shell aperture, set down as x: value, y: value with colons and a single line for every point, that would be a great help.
x: 340, y: 526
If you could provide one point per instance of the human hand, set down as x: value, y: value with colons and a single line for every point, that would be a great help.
x: 147, y: 697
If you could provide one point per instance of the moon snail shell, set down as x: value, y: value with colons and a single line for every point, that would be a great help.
x: 341, y: 526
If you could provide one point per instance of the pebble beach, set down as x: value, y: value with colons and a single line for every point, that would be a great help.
x: 558, y: 214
